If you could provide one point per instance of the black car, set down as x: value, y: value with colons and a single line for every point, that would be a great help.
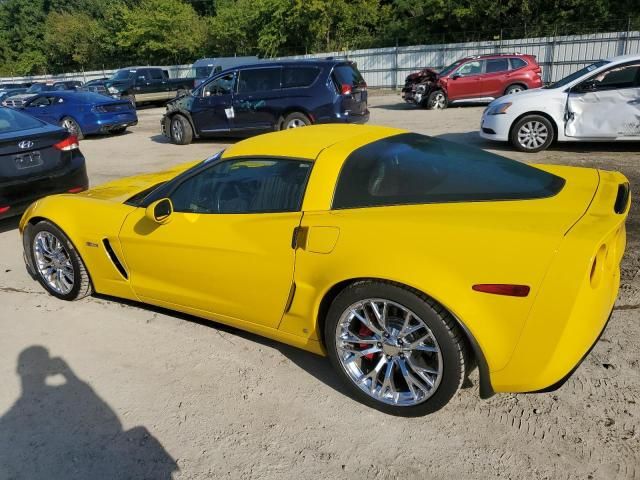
x: 269, y: 96
x: 36, y: 159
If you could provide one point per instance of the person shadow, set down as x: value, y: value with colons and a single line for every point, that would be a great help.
x: 60, y: 428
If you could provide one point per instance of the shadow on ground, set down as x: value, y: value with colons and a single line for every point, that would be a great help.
x: 60, y: 429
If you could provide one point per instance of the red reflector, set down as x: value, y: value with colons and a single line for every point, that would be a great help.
x: 503, y: 289
x: 4, y: 209
x: 69, y: 143
x: 75, y: 189
x: 345, y: 89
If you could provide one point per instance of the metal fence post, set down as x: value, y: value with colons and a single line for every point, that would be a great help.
x: 626, y: 37
x: 395, y: 67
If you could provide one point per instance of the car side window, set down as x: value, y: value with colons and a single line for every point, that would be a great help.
x: 517, y: 63
x: 40, y: 102
x: 495, y: 65
x: 626, y: 76
x: 293, y: 77
x: 156, y: 75
x: 470, y: 68
x: 255, y: 185
x: 259, y: 80
x: 220, y: 86
x: 142, y: 76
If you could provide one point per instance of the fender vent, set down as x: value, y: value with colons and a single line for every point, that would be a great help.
x: 622, y: 198
x: 114, y: 258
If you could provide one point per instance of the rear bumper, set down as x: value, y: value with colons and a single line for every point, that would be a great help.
x: 18, y: 196
x: 347, y: 118
x: 106, y: 124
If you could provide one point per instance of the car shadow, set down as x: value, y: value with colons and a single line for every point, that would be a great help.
x: 60, y: 429
x: 315, y: 365
x: 159, y: 138
x: 395, y: 106
x: 9, y: 224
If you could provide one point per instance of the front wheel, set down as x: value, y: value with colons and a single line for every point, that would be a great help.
x: 56, y: 262
x: 437, y: 100
x: 180, y: 130
x: 532, y: 133
x: 396, y: 350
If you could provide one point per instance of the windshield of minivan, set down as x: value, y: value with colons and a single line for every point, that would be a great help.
x: 575, y: 75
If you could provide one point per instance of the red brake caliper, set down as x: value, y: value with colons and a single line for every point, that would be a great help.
x: 365, y: 332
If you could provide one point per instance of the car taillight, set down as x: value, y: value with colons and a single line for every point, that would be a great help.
x: 503, y: 289
x: 76, y: 190
x: 99, y: 109
x: 345, y: 89
x: 69, y: 143
x: 4, y: 209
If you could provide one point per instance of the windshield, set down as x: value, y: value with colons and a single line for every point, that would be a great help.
x: 123, y: 74
x: 447, y: 70
x: 575, y: 75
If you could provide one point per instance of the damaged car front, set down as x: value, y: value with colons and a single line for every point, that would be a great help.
x: 419, y: 85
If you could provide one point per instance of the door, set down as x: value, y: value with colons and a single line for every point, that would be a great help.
x: 44, y: 108
x: 255, y: 103
x: 159, y: 84
x: 227, y: 247
x: 492, y: 82
x: 212, y: 109
x: 606, y: 105
x: 144, y: 90
x: 465, y: 82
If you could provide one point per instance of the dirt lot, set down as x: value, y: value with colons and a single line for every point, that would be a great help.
x: 132, y: 392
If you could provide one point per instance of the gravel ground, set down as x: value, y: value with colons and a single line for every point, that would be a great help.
x: 105, y: 389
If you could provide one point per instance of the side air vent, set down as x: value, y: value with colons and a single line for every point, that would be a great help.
x: 114, y: 258
x: 622, y: 199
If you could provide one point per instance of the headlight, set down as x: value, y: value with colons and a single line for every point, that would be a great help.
x: 112, y: 90
x: 498, y: 109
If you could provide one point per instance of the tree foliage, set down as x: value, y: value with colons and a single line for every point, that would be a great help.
x: 51, y: 36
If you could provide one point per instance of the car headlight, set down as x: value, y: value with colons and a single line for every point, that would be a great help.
x: 112, y: 90
x: 498, y: 109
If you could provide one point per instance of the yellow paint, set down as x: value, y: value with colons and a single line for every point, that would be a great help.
x: 239, y: 269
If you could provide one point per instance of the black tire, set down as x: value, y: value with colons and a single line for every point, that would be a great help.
x: 515, y: 88
x: 72, y: 127
x: 437, y: 100
x: 449, y: 337
x: 82, y: 282
x: 180, y: 130
x: 295, y: 120
x: 523, y: 134
x: 119, y: 130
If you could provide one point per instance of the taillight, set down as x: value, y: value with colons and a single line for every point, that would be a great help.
x: 4, y: 209
x: 69, y: 143
x: 76, y: 190
x: 99, y: 109
x: 503, y: 289
x: 345, y: 89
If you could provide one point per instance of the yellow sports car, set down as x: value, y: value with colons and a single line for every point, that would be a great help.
x: 407, y: 260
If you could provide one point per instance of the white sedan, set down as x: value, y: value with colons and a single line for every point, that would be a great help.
x: 600, y: 102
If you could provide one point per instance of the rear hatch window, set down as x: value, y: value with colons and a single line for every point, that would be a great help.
x: 415, y: 169
x: 352, y: 88
x: 347, y: 74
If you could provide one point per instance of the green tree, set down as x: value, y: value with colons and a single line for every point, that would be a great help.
x: 70, y: 40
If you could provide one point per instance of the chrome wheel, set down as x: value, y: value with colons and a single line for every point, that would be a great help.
x: 71, y: 126
x: 388, y: 352
x: 514, y: 89
x: 177, y: 130
x: 53, y: 262
x: 295, y: 123
x: 533, y: 135
x: 438, y: 101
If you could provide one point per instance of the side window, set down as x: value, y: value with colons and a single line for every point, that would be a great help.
x: 259, y: 80
x: 156, y: 75
x: 517, y: 63
x: 299, y: 76
x: 495, y: 65
x: 220, y: 86
x: 470, y: 68
x: 40, y: 102
x: 258, y: 185
x: 626, y: 76
x: 142, y: 76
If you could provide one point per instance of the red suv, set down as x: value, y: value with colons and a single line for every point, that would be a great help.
x: 479, y: 78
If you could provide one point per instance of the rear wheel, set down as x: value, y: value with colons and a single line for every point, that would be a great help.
x: 180, y: 130
x: 437, y: 100
x: 72, y: 127
x: 516, y: 88
x: 532, y: 133
x: 57, y: 264
x: 396, y: 350
x: 295, y: 120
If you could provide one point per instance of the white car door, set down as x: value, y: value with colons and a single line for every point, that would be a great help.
x: 606, y: 105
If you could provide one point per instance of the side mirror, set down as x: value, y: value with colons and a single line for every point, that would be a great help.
x: 455, y: 76
x: 588, y: 86
x: 159, y: 211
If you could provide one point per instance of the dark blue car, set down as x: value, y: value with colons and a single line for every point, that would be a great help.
x: 269, y: 96
x: 82, y: 113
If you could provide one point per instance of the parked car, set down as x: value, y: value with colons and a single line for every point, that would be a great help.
x: 269, y: 96
x: 147, y: 84
x: 82, y: 113
x: 18, y: 100
x: 274, y: 236
x: 480, y: 79
x: 9, y: 86
x: 600, y: 102
x: 10, y: 92
x: 97, y: 86
x: 36, y: 159
x: 205, y: 67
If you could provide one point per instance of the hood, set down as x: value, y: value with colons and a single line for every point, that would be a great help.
x: 123, y: 189
x: 426, y: 74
